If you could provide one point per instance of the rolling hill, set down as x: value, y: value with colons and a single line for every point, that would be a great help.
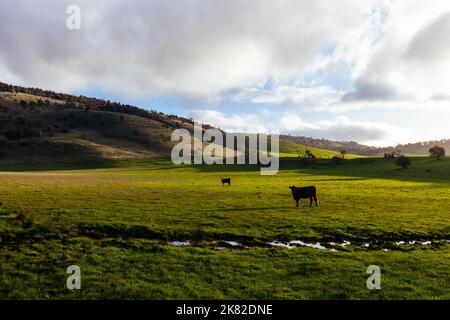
x: 290, y: 149
x: 40, y: 126
x: 411, y: 149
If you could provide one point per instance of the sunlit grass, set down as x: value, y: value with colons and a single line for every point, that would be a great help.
x: 112, y: 219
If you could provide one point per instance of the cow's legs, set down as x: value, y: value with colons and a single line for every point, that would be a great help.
x: 310, y: 201
x: 315, y: 200
x: 297, y: 203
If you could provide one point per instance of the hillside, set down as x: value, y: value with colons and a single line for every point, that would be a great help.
x: 350, y: 146
x: 419, y: 148
x: 290, y: 149
x: 413, y: 149
x: 39, y: 126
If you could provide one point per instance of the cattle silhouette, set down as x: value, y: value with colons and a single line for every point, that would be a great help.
x: 226, y: 180
x: 304, y: 193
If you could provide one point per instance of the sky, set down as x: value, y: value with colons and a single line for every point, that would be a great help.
x: 372, y: 71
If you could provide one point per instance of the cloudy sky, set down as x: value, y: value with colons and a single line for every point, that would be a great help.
x: 372, y: 71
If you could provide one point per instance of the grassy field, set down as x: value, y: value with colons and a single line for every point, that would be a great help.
x: 116, y: 221
x: 289, y: 149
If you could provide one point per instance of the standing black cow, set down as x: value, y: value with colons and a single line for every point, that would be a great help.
x: 226, y: 180
x: 304, y: 193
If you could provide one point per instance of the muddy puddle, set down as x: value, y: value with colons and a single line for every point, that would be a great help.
x: 180, y: 243
x: 336, y: 246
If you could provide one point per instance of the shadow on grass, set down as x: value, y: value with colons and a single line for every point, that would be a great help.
x: 422, y: 169
x: 26, y: 167
x: 159, y: 163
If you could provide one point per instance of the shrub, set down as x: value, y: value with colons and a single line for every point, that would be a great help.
x: 437, y: 152
x: 309, y: 155
x: 337, y: 160
x: 403, y: 162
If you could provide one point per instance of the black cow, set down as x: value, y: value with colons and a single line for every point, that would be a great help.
x: 304, y: 193
x: 226, y: 180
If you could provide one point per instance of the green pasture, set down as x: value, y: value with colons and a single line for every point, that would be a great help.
x: 115, y: 220
x: 289, y: 149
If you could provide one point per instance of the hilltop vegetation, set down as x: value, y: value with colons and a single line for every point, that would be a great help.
x: 40, y: 126
x: 38, y: 100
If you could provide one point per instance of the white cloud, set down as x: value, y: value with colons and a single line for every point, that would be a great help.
x: 390, y: 131
x: 7, y: 76
x: 289, y: 56
x: 186, y: 48
x: 250, y: 123
x: 309, y: 98
x: 412, y: 64
x: 340, y: 128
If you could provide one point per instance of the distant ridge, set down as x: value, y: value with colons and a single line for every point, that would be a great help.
x: 82, y: 102
x: 41, y: 125
x: 418, y: 148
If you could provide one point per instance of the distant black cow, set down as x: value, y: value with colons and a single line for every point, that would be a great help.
x: 226, y: 180
x: 304, y: 193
